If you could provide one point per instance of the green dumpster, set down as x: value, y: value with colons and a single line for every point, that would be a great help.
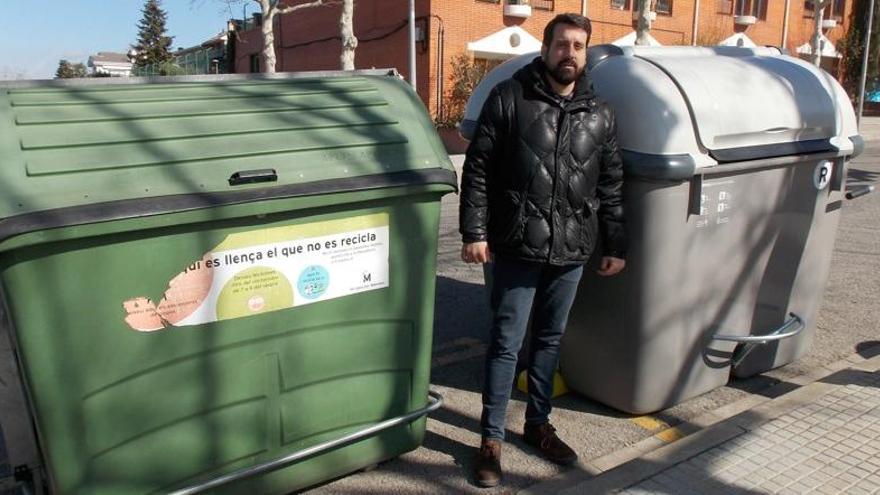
x: 220, y: 283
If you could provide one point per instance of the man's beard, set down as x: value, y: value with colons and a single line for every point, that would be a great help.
x: 563, y: 74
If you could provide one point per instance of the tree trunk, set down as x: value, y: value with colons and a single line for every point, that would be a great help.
x: 644, y: 23
x: 815, y: 41
x: 346, y: 30
x: 268, y: 29
x: 269, y: 9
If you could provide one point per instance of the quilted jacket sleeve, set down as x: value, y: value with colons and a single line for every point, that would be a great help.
x: 481, y: 155
x: 610, y: 192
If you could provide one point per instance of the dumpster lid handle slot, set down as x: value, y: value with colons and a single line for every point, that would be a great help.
x: 253, y: 176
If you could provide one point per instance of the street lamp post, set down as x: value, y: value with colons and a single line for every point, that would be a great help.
x: 864, y: 76
x: 412, y: 43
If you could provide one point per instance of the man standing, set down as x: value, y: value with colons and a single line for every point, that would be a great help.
x: 541, y: 188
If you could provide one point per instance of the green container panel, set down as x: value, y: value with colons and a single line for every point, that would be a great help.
x: 146, y: 369
x: 121, y: 411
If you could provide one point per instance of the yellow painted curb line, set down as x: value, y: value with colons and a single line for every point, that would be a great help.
x: 664, y: 432
x: 649, y: 423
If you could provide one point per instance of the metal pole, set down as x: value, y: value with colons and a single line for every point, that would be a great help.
x: 412, y: 43
x: 785, y: 25
x: 696, y: 25
x: 644, y: 23
x: 865, y: 63
x: 815, y: 42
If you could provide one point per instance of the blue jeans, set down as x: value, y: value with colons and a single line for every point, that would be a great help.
x: 516, y: 287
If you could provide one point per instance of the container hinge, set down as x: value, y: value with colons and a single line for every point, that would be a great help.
x: 695, y: 198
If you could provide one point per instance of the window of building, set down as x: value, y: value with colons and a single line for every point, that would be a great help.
x: 836, y: 9
x: 663, y: 7
x: 833, y: 10
x: 255, y: 63
x: 543, y: 4
x: 757, y: 8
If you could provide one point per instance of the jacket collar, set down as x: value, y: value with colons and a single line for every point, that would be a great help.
x: 534, y: 76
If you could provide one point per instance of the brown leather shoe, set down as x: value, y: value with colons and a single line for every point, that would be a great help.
x: 543, y: 437
x: 487, y: 464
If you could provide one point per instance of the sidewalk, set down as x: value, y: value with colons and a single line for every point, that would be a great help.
x: 823, y: 438
x: 870, y: 128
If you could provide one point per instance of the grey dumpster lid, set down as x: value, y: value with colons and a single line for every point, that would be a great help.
x: 684, y: 108
x: 710, y: 105
x: 744, y: 99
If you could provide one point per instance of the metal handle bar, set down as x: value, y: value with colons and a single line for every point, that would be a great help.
x: 790, y: 328
x: 859, y: 192
x: 780, y: 333
x: 435, y: 400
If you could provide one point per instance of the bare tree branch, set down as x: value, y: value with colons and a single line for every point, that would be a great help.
x: 271, y: 8
x: 309, y: 5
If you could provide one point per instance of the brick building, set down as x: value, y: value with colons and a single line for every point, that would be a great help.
x: 309, y: 39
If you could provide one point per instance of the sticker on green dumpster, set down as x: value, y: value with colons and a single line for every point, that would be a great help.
x: 266, y: 270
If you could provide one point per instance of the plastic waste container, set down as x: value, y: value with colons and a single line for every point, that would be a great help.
x: 220, y: 283
x: 735, y: 163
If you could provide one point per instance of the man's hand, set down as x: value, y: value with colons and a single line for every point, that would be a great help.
x: 610, y: 266
x: 475, y: 252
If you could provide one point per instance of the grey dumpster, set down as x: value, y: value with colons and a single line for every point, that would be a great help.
x: 735, y: 163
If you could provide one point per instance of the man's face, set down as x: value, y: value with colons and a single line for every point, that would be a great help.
x: 566, y: 57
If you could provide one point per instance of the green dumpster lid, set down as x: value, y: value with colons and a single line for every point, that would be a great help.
x: 88, y: 151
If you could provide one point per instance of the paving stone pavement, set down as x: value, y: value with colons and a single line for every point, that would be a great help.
x: 822, y: 439
x: 826, y: 447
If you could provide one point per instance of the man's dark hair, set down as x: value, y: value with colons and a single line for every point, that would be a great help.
x: 575, y: 20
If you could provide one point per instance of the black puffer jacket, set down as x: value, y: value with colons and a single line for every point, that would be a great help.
x: 543, y: 175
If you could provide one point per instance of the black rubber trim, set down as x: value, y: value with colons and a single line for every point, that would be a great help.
x: 833, y: 206
x: 768, y: 163
x: 651, y: 166
x: 858, y: 145
x: 771, y: 150
x: 146, y: 207
x: 599, y: 53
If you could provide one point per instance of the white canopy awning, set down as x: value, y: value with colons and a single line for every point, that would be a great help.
x: 509, y: 42
x: 826, y: 48
x: 738, y: 39
x: 630, y: 40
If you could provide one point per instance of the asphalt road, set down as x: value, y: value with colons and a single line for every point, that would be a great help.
x: 847, y: 324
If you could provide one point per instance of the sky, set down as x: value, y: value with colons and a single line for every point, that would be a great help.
x: 36, y: 35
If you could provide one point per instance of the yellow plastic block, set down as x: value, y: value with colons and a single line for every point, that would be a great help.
x: 559, y: 386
